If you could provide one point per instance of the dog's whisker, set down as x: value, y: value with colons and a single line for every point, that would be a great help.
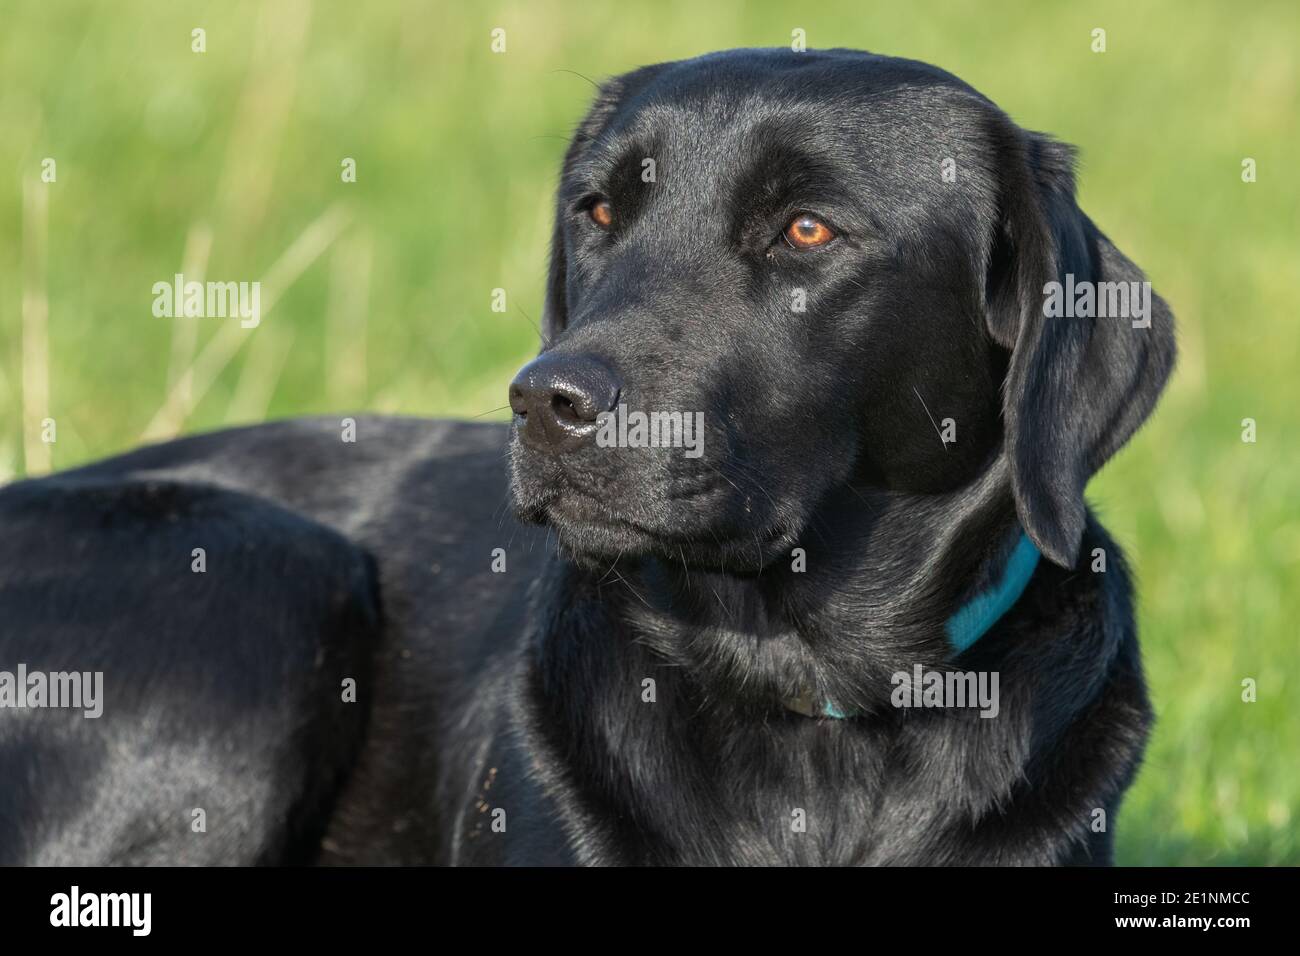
x: 580, y: 75
x: 943, y: 441
x: 633, y: 590
x: 540, y: 333
x: 611, y: 567
x: 721, y: 603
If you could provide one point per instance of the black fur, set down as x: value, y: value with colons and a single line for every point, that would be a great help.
x: 522, y: 691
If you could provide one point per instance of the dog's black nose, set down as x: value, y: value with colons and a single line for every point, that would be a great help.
x: 557, y: 399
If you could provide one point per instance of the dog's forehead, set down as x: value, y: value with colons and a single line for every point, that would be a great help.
x: 759, y: 74
x: 841, y: 104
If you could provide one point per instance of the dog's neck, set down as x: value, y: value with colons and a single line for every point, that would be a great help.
x: 971, y: 621
x: 886, y: 582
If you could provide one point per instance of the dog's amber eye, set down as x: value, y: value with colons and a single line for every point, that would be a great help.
x: 602, y: 214
x: 807, y: 232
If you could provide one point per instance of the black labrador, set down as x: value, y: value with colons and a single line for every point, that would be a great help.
x: 796, y: 478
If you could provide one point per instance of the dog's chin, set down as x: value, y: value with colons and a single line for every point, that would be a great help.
x: 594, y: 541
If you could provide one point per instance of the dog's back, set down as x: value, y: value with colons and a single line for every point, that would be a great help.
x: 254, y: 690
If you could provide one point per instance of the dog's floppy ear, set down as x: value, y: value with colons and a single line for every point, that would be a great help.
x: 1081, y: 379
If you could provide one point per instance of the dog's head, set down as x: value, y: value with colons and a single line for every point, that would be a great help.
x: 840, y: 266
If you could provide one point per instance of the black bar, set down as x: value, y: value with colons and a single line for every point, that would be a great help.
x: 367, y: 904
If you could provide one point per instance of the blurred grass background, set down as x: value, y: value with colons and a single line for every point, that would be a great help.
x: 376, y: 294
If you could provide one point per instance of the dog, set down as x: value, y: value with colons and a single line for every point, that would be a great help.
x: 547, y: 643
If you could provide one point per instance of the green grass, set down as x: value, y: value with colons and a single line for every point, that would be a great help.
x: 457, y: 152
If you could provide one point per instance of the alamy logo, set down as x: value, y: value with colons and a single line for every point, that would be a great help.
x: 1098, y: 300
x: 71, y: 689
x: 922, y: 688
x: 216, y: 300
x: 103, y: 909
x: 624, y: 429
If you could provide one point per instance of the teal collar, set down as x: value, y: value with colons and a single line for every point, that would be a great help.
x: 974, y: 618
x: 967, y: 625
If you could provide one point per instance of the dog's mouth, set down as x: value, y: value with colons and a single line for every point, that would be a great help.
x: 603, y: 539
x: 694, y: 525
